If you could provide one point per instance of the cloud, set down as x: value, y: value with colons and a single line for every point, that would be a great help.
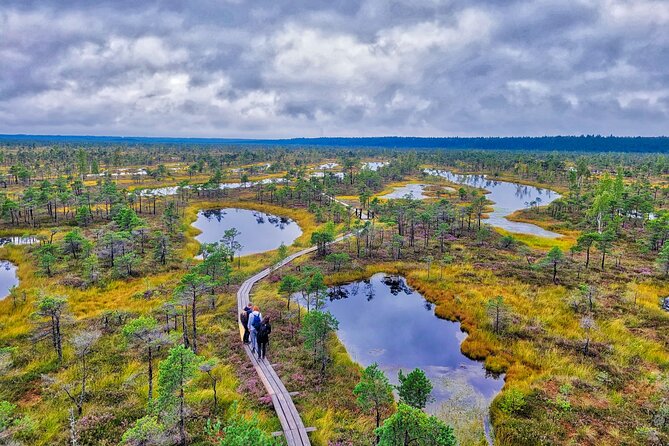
x: 342, y: 67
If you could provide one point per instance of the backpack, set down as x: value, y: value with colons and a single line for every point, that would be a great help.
x: 256, y: 321
x: 263, y: 331
x: 244, y: 318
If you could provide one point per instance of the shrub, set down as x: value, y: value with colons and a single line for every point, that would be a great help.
x: 512, y: 401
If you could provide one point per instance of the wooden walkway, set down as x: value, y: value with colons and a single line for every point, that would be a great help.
x: 291, y: 422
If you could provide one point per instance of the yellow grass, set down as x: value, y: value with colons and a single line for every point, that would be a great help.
x: 541, y: 243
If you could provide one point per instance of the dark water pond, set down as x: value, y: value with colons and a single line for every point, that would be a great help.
x: 260, y: 231
x: 508, y: 197
x: 383, y: 320
x: 8, y: 278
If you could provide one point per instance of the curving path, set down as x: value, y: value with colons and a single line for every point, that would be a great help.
x: 291, y: 422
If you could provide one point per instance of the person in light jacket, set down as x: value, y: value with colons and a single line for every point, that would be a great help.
x: 255, y: 319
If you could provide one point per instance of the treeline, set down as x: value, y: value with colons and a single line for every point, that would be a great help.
x: 27, y: 163
x: 582, y: 143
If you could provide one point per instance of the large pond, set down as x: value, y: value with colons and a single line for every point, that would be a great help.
x: 383, y: 320
x: 260, y: 231
x: 508, y: 198
x: 8, y: 278
x: 416, y: 191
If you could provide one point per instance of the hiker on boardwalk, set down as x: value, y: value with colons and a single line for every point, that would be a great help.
x: 244, y: 319
x: 255, y: 320
x: 263, y: 337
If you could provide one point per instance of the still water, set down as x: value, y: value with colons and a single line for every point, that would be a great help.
x: 17, y: 240
x: 416, y: 191
x: 8, y: 278
x: 374, y: 165
x: 508, y: 197
x: 260, y: 231
x: 383, y: 320
x: 173, y: 190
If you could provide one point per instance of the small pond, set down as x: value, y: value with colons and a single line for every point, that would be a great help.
x: 415, y: 190
x: 327, y: 166
x: 339, y: 175
x: 17, y: 240
x: 374, y: 165
x: 260, y: 231
x: 383, y: 320
x: 509, y: 198
x: 8, y: 278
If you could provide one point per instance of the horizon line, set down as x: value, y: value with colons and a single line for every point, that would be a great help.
x: 293, y: 138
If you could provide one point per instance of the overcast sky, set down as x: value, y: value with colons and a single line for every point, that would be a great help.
x: 334, y: 68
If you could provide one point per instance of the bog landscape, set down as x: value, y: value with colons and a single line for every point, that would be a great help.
x: 484, y: 296
x: 334, y: 223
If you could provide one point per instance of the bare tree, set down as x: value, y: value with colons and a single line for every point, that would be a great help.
x: 208, y: 367
x: 52, y: 308
x: 497, y: 310
x: 146, y: 334
x: 587, y: 324
x: 83, y: 343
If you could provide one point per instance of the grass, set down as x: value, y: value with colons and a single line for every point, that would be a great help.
x: 541, y: 243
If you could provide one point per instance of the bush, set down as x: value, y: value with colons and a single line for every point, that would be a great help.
x: 147, y: 431
x: 512, y: 401
x: 410, y: 422
x: 6, y: 414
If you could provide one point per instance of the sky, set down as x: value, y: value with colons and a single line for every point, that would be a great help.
x: 275, y: 69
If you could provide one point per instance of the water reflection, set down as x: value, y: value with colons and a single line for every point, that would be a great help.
x: 416, y: 191
x: 8, y: 278
x: 382, y: 319
x: 508, y: 197
x: 260, y: 231
x: 17, y: 240
x: 374, y: 165
x: 173, y: 190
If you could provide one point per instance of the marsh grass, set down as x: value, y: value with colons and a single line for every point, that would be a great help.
x: 541, y: 349
x: 118, y: 385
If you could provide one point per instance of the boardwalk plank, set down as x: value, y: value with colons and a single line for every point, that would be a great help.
x: 289, y: 417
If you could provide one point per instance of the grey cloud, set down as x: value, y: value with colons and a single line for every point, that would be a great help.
x: 344, y: 67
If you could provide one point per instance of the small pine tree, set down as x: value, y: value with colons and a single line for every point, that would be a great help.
x: 175, y: 372
x: 412, y: 426
x: 415, y: 388
x: 663, y: 259
x: 316, y: 329
x: 239, y: 431
x: 374, y: 393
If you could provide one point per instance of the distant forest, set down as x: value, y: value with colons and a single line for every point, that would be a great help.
x: 583, y: 143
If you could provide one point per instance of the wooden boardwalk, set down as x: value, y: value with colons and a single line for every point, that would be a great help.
x: 291, y: 422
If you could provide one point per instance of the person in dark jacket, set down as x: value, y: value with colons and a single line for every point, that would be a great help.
x: 244, y: 319
x: 263, y: 337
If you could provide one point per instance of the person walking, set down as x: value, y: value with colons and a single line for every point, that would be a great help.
x: 263, y: 337
x: 244, y: 319
x: 255, y: 320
